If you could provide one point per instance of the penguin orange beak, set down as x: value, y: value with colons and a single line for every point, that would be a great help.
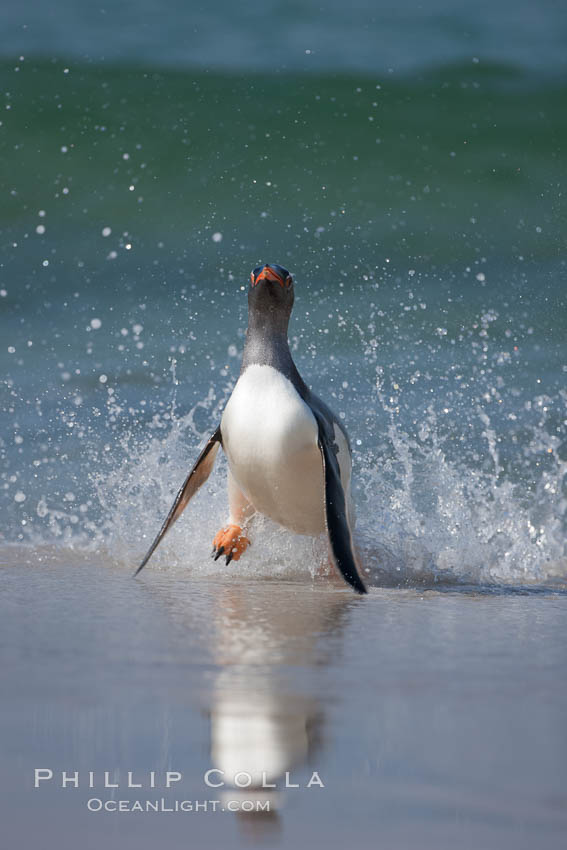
x: 268, y: 273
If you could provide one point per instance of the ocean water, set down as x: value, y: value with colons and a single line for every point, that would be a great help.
x: 408, y: 165
x: 421, y: 218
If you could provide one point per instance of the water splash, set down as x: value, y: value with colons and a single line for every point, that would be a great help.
x: 434, y: 520
x: 423, y: 518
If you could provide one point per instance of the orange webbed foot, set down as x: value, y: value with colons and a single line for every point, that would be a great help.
x: 230, y: 541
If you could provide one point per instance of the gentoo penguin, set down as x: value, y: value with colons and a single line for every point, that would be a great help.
x: 289, y: 457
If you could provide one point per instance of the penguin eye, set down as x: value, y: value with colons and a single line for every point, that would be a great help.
x: 254, y: 274
x: 288, y: 280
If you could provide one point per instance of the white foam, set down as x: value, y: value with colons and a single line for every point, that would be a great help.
x: 421, y: 517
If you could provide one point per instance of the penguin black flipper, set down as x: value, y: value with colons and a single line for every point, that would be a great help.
x: 336, y: 518
x: 197, y: 477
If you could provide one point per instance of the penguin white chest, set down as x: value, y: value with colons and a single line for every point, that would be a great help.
x: 270, y: 435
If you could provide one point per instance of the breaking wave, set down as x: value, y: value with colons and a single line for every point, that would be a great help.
x: 423, y: 517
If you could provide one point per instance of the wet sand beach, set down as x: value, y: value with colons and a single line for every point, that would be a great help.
x: 433, y: 719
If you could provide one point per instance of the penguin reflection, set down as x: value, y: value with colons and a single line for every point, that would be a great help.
x: 265, y: 721
x: 271, y: 643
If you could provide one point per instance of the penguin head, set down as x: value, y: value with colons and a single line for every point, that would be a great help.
x: 271, y: 289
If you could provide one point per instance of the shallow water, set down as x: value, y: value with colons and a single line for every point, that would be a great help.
x: 431, y: 718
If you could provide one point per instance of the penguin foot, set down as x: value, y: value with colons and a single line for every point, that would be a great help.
x: 230, y: 541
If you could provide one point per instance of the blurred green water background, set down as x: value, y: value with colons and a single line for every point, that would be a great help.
x: 408, y: 165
